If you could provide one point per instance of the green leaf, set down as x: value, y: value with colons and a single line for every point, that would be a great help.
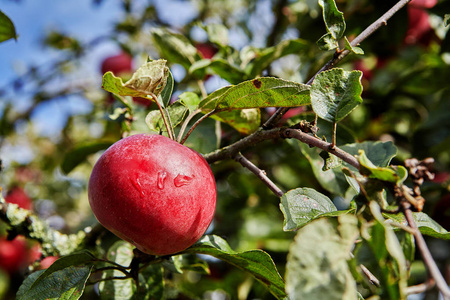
x: 80, y: 153
x: 67, y: 284
x: 330, y: 161
x: 227, y: 71
x: 327, y: 42
x: 356, y: 50
x: 217, y: 33
x: 446, y: 19
x: 7, y: 29
x: 334, y: 19
x: 424, y: 222
x: 244, y: 121
x: 390, y: 264
x: 191, y: 100
x: 317, y: 263
x: 151, y: 280
x: 166, y: 94
x: 335, y: 93
x: 64, y: 279
x: 302, y: 205
x: 379, y: 153
x: 121, y: 253
x: 256, y: 262
x: 258, y: 93
x: 269, y: 55
x: 332, y: 180
x: 176, y: 111
x: 190, y: 262
x: 388, y: 174
x: 150, y: 78
x: 175, y: 47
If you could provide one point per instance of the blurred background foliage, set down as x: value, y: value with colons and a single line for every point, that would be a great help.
x: 406, y: 68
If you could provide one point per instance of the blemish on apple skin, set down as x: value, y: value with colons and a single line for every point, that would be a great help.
x: 137, y: 184
x: 160, y: 181
x: 182, y: 180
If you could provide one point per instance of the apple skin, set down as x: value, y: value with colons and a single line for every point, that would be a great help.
x: 18, y: 196
x: 154, y: 193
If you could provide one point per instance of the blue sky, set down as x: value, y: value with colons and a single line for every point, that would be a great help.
x: 33, y: 18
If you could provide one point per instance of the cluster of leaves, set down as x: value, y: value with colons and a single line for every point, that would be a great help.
x: 307, y: 247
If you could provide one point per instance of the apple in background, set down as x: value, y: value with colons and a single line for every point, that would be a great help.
x: 206, y: 50
x: 441, y: 212
x: 47, y: 262
x: 13, y: 254
x: 118, y: 64
x: 18, y: 196
x: 121, y: 64
x: 423, y: 3
x: 419, y: 29
x: 154, y: 193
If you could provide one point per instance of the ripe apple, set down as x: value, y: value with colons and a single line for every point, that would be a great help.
x: 206, y: 50
x: 47, y: 262
x: 18, y: 196
x: 13, y: 254
x: 154, y: 193
x: 118, y: 64
x: 121, y: 64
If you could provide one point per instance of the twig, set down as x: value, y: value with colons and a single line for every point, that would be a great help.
x: 313, y: 141
x: 373, y: 280
x: 196, y: 124
x: 262, y: 135
x: 250, y: 140
x: 421, y: 288
x: 260, y: 173
x: 426, y: 254
x: 340, y: 55
x: 163, y: 116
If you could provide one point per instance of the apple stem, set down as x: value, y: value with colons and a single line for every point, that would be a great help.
x: 196, y: 124
x: 163, y: 115
x: 185, y: 124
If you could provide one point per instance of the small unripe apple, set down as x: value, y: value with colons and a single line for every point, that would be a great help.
x: 18, y: 196
x: 154, y: 193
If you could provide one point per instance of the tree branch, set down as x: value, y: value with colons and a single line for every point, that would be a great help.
x: 262, y: 135
x: 248, y: 141
x: 341, y: 54
x: 425, y: 252
x: 52, y: 242
x: 260, y: 173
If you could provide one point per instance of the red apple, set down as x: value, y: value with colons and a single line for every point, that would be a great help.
x: 13, y: 254
x: 206, y: 50
x: 419, y: 28
x: 154, y: 193
x: 423, y: 3
x: 441, y: 212
x: 18, y: 196
x: 120, y: 63
x: 47, y: 262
